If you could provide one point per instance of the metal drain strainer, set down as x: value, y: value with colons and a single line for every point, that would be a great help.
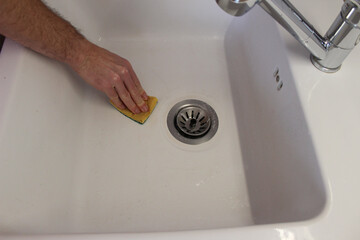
x: 192, y: 121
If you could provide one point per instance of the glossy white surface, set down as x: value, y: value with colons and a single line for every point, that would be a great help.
x: 69, y: 190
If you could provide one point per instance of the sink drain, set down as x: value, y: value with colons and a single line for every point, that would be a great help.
x: 192, y: 121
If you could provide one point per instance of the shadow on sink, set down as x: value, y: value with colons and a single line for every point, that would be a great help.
x: 283, y: 176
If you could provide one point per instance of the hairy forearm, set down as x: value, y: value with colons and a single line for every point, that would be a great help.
x: 33, y: 25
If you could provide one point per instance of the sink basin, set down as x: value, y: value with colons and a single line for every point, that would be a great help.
x: 70, y: 163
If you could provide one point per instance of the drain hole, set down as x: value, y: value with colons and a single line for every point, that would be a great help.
x: 192, y: 121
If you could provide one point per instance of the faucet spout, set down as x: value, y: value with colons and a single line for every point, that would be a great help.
x: 327, y: 53
x: 296, y: 24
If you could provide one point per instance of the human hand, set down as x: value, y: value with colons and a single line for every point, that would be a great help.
x: 110, y: 74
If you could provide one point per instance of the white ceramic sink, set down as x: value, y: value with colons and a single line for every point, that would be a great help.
x: 70, y: 163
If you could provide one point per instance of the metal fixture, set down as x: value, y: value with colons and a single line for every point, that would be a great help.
x: 327, y: 53
x: 192, y: 121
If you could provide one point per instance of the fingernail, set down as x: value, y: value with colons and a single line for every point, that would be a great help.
x: 137, y: 110
x: 145, y: 108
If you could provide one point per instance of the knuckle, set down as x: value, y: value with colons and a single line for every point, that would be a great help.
x: 133, y: 92
x: 139, y: 101
x: 141, y: 104
x: 124, y: 70
x: 116, y: 78
x: 126, y: 96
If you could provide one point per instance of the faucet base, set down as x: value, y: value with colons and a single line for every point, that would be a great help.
x: 315, y: 62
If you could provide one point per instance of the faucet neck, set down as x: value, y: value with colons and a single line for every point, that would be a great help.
x: 297, y: 25
x: 327, y: 52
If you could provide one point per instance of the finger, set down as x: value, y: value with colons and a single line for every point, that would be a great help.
x: 133, y: 90
x: 114, y: 98
x: 137, y: 83
x: 126, y: 97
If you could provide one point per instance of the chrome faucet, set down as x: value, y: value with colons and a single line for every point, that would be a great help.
x: 327, y: 53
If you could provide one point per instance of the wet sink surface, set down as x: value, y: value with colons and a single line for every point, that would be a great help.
x: 70, y: 163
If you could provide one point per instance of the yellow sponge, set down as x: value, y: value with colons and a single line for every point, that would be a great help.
x: 141, y: 117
